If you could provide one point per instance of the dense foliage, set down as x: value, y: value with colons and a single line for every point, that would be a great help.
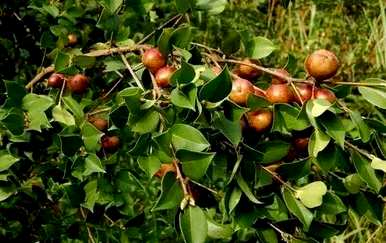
x: 127, y: 121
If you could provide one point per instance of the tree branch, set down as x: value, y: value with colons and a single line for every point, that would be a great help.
x: 39, y: 76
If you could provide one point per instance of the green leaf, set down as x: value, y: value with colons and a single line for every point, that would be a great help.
x: 84, y: 61
x: 92, y: 195
x: 15, y: 93
x: 14, y: 121
x: 255, y: 102
x: 188, y: 138
x: 149, y: 164
x: 311, y: 195
x: 230, y: 129
x: 111, y: 5
x: 194, y: 164
x: 184, y: 97
x: 318, y: 141
x: 370, y: 206
x: 234, y: 199
x: 6, y: 160
x: 62, y: 61
x: 183, y: 75
x: 193, y: 225
x: 171, y: 193
x: 119, y: 116
x: 93, y: 165
x: 61, y: 115
x: 34, y: 102
x: 260, y: 47
x: 329, y: 157
x: 317, y: 107
x: 218, y: 88
x: 184, y: 5
x: 353, y: 183
x: 181, y: 37
x: 232, y: 41
x: 273, y: 151
x: 91, y: 137
x: 213, y: 7
x: 378, y: 164
x: 145, y: 123
x: 247, y: 191
x: 295, y: 170
x: 365, y: 171
x: 75, y: 108
x: 219, y: 231
x: 6, y: 192
x: 362, y: 127
x: 288, y: 118
x: 334, y: 127
x: 375, y: 96
x: 70, y: 143
x: 164, y: 44
x: 297, y: 208
x: 332, y: 204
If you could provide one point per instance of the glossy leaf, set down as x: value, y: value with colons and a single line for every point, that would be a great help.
x: 375, y: 96
x: 311, y: 195
x: 188, y: 138
x: 171, y: 193
x: 6, y: 160
x: 194, y: 164
x: 297, y: 208
x: 193, y: 225
x: 365, y: 171
x: 218, y: 88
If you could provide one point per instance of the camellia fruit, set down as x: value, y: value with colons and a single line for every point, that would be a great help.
x: 100, y: 123
x: 260, y: 120
x: 248, y: 72
x: 301, y: 144
x: 72, y: 39
x: 241, y: 88
x: 55, y: 80
x: 78, y: 83
x: 164, y: 169
x: 163, y: 75
x: 305, y: 92
x: 283, y: 72
x: 279, y: 93
x: 110, y: 143
x: 322, y: 64
x: 325, y: 94
x: 153, y: 59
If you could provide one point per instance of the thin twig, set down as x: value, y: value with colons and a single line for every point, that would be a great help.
x: 355, y: 83
x: 207, y: 47
x: 361, y: 151
x: 39, y: 76
x: 139, y: 84
x: 178, y: 17
x: 278, y: 178
x: 157, y: 92
x: 99, y: 111
x: 89, y: 232
x: 180, y: 178
x: 112, y: 88
x: 114, y: 50
x: 297, y: 92
x: 61, y: 92
x: 203, y: 186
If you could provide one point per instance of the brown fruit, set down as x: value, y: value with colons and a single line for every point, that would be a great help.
x: 163, y: 75
x: 322, y: 64
x: 100, y: 123
x: 279, y: 93
x: 78, y: 83
x: 325, y: 94
x: 305, y: 92
x: 55, y: 80
x: 72, y: 39
x: 277, y: 80
x: 153, y: 59
x: 164, y: 169
x: 241, y: 88
x: 248, y: 72
x: 301, y: 144
x: 110, y: 143
x: 260, y: 120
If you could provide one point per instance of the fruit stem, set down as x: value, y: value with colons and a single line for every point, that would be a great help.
x: 203, y: 186
x: 112, y: 88
x: 207, y: 47
x: 356, y: 83
x: 139, y: 84
x: 39, y: 76
x: 178, y: 17
x: 180, y: 178
x: 273, y: 174
x: 297, y: 93
x: 99, y: 111
x: 61, y: 92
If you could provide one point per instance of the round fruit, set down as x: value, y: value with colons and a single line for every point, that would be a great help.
x: 325, y: 94
x: 153, y: 59
x: 164, y: 169
x: 55, y: 80
x: 241, y: 88
x: 248, y: 72
x: 301, y: 144
x: 72, y: 39
x: 277, y: 80
x: 110, y: 143
x: 305, y: 92
x: 279, y: 93
x: 163, y: 75
x: 322, y: 64
x: 260, y: 120
x: 100, y: 123
x: 78, y: 83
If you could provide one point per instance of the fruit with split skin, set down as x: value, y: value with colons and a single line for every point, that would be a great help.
x: 163, y: 76
x: 56, y: 80
x: 279, y: 93
x: 260, y: 120
x: 153, y: 59
x: 241, y: 88
x: 283, y: 72
x: 325, y: 94
x: 78, y: 83
x: 249, y: 72
x: 322, y: 64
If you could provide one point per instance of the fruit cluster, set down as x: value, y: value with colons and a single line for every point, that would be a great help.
x: 156, y: 63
